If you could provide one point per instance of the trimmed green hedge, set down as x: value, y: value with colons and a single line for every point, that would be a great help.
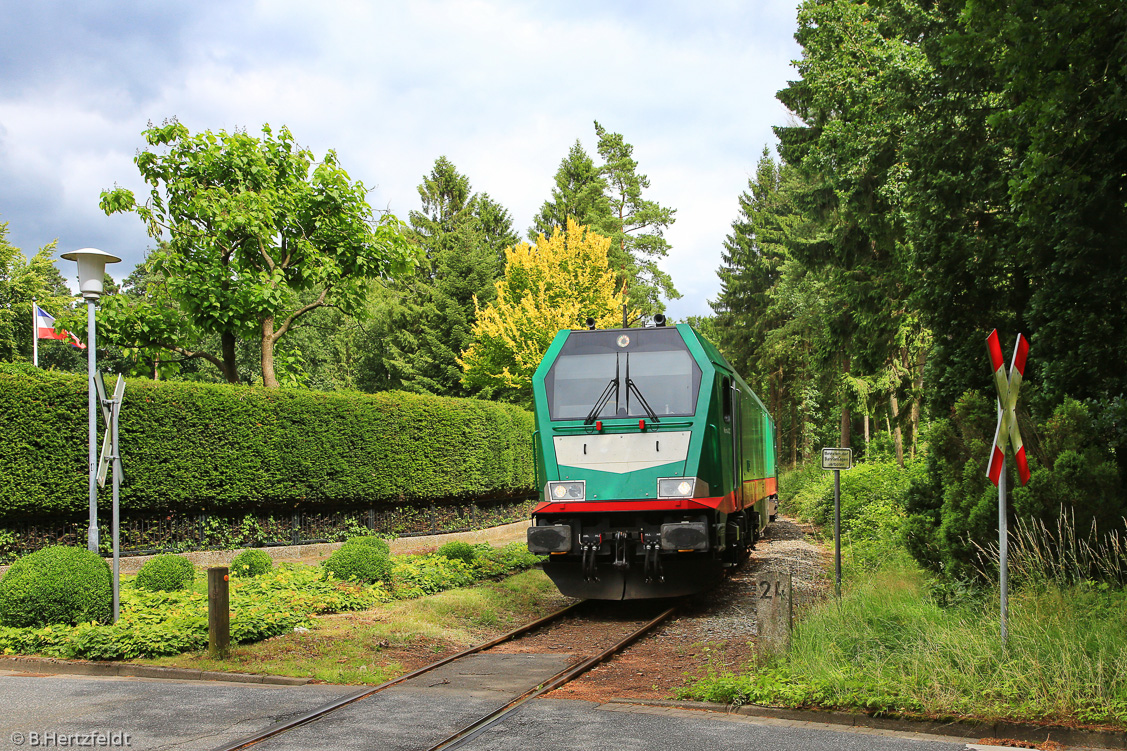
x: 219, y: 448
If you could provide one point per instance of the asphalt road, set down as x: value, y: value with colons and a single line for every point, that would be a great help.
x: 203, y: 715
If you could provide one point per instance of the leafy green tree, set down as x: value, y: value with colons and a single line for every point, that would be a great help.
x: 963, y: 170
x: 253, y: 224
x: 773, y: 313
x: 638, y: 240
x: 580, y: 194
x: 21, y: 281
x: 857, y: 102
x: 1019, y: 178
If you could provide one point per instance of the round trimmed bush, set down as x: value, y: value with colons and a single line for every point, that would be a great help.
x: 457, y: 550
x: 251, y: 563
x: 56, y: 585
x: 373, y: 541
x: 362, y: 563
x: 165, y: 573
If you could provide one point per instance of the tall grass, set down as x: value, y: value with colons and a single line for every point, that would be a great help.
x: 1039, y: 555
x: 888, y: 647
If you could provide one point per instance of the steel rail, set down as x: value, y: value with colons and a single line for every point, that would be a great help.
x: 566, y: 675
x: 281, y: 727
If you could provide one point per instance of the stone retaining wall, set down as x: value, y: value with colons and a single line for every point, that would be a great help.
x: 496, y: 536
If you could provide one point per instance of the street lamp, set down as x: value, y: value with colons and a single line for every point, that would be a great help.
x: 91, y: 272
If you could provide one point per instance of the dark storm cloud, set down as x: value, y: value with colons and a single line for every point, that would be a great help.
x: 89, y: 47
x: 126, y: 45
x: 36, y: 213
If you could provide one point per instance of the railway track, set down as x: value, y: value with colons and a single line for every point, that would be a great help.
x: 487, y: 719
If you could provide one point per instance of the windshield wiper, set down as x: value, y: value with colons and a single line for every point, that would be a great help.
x: 611, y: 387
x: 631, y: 386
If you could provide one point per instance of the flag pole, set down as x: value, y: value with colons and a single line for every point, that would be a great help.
x: 35, y: 332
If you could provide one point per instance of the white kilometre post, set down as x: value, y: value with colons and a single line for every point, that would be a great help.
x: 1007, y: 431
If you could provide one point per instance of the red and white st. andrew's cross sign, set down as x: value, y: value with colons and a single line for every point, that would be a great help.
x: 1007, y: 400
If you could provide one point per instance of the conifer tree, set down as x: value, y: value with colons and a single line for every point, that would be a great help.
x: 422, y: 324
x: 580, y: 194
x: 639, y: 223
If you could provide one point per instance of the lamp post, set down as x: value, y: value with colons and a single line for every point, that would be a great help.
x: 91, y: 272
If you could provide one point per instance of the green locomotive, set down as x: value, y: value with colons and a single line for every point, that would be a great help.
x: 655, y: 459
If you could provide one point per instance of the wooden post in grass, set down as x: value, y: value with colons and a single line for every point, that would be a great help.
x: 218, y: 612
x: 774, y: 613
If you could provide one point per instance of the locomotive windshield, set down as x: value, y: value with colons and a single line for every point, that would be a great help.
x: 644, y: 373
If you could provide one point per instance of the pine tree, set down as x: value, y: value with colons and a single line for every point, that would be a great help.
x: 638, y: 240
x: 420, y: 326
x: 580, y: 194
x: 751, y: 264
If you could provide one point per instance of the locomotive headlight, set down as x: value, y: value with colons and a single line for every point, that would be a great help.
x: 572, y: 490
x: 676, y: 487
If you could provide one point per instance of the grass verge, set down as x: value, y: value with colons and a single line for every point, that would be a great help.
x: 372, y: 646
x: 889, y: 648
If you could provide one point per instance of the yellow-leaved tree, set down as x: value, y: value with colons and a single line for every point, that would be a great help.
x: 556, y: 284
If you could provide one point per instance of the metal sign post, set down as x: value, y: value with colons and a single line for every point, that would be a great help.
x: 1006, y: 432
x: 837, y: 459
x: 111, y: 452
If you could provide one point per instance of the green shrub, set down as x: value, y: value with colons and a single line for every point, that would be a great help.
x: 361, y: 563
x: 251, y: 562
x: 372, y: 541
x: 953, y: 508
x: 492, y: 562
x: 153, y: 624
x: 871, y: 483
x: 165, y: 573
x: 56, y: 585
x: 793, y: 481
x: 458, y: 550
x: 226, y: 449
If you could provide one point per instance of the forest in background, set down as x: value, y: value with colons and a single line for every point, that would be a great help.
x: 950, y: 168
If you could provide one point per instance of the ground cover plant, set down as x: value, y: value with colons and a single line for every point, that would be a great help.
x: 386, y: 640
x: 286, y: 597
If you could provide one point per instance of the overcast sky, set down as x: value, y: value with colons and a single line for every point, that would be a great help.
x: 502, y: 88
